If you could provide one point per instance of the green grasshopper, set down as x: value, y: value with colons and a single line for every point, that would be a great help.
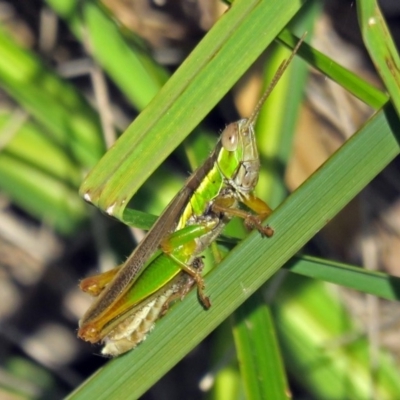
x: 166, y: 264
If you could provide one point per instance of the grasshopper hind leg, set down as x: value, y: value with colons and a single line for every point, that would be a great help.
x: 194, y: 270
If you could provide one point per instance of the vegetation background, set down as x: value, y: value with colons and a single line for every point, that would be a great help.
x: 74, y: 75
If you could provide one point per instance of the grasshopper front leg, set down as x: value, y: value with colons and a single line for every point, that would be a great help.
x: 227, y: 205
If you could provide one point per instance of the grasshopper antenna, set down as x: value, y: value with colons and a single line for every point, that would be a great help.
x: 282, y: 67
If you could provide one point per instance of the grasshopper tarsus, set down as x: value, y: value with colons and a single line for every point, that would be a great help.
x: 204, y: 300
x: 267, y: 231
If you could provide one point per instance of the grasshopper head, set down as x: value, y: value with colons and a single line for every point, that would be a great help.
x: 238, y: 139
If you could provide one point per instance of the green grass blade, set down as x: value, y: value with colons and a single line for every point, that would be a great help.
x: 345, y: 78
x: 253, y: 261
x: 46, y: 187
x: 57, y: 204
x: 230, y: 46
x: 223, y: 370
x: 42, y: 163
x: 128, y: 65
x: 53, y: 102
x: 260, y: 362
x: 372, y: 282
x: 325, y: 351
x: 29, y: 143
x: 381, y: 47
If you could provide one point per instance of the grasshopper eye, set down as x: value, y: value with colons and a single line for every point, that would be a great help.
x: 229, y: 138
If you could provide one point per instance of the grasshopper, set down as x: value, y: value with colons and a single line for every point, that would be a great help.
x: 166, y: 264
